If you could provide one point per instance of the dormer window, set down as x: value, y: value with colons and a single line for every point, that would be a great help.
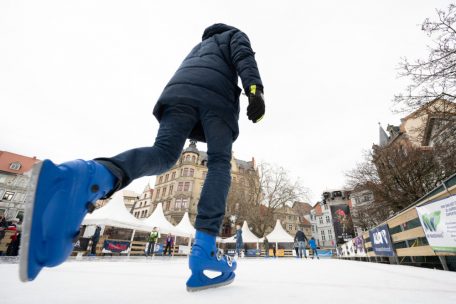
x: 15, y: 166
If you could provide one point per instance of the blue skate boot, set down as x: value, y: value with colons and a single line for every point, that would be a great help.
x: 58, y: 198
x: 205, y: 256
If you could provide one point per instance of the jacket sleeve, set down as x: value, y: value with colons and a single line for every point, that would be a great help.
x: 243, y: 59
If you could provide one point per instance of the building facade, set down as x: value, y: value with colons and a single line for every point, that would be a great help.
x: 13, y: 183
x: 330, y: 219
x: 179, y: 188
x: 142, y: 204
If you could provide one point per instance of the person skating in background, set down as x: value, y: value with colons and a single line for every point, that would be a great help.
x: 3, y: 226
x: 313, y: 246
x: 301, y: 238
x: 95, y: 239
x: 169, y: 242
x: 274, y: 250
x: 239, y: 241
x: 200, y: 102
x: 266, y: 247
x: 13, y: 246
x: 153, y: 237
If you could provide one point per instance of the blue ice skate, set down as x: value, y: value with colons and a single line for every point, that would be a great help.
x: 205, y: 256
x: 58, y: 199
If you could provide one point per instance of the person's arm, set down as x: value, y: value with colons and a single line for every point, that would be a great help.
x: 243, y: 59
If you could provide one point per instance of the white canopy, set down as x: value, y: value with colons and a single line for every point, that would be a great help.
x: 247, y: 236
x: 185, y: 225
x: 158, y: 219
x: 279, y: 235
x: 114, y: 214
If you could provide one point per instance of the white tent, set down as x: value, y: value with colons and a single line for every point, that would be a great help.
x: 279, y: 235
x: 185, y: 225
x: 114, y: 214
x: 247, y: 236
x: 158, y: 219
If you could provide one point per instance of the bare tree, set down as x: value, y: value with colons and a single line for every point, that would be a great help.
x: 260, y: 193
x: 435, y: 76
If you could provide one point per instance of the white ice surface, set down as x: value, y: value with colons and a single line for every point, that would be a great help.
x: 263, y: 281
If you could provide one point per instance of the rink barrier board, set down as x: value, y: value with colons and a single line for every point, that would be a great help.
x: 414, y: 235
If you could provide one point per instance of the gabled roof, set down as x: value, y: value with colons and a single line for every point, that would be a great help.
x: 8, y: 158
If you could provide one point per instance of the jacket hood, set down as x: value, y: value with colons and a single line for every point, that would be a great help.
x: 217, y: 28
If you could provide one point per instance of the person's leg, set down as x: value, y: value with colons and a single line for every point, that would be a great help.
x: 71, y: 189
x: 175, y: 126
x: 211, y: 206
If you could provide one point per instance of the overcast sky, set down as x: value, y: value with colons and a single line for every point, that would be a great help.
x: 79, y: 79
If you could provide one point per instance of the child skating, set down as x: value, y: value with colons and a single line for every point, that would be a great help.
x: 201, y: 102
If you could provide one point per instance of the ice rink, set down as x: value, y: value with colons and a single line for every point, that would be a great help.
x: 286, y: 280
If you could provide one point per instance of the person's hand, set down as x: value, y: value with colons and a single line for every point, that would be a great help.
x: 256, y: 108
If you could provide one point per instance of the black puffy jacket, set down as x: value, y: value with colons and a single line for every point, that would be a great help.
x: 208, y: 76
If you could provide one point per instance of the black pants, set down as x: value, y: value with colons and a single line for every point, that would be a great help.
x: 93, y: 250
x: 150, y: 249
x: 168, y: 246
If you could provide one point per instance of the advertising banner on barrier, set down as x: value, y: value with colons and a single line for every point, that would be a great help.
x: 81, y: 244
x: 381, y: 241
x: 439, y: 223
x: 110, y: 246
x: 343, y: 225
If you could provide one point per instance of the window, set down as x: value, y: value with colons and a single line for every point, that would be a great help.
x: 15, y: 166
x: 186, y: 186
x: 158, y: 194
x: 160, y: 179
x: 173, y: 175
x: 185, y: 172
x: 322, y: 232
x: 166, y: 177
x: 192, y: 172
x: 313, y: 228
x: 321, y: 219
x: 179, y: 186
x: 8, y: 196
x: 163, y: 192
x: 185, y: 203
x: 187, y: 157
x: 323, y: 238
x: 328, y: 220
x: 290, y: 227
x: 193, y: 159
x: 330, y: 236
x: 170, y: 190
x: 329, y: 231
x: 178, y: 204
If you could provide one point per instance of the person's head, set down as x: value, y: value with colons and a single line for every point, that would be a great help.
x: 238, y: 227
x: 155, y: 228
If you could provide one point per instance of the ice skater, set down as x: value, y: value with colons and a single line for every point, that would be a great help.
x: 313, y: 246
x: 301, y: 239
x: 153, y: 237
x: 95, y: 239
x: 239, y: 241
x: 200, y: 102
x: 169, y: 242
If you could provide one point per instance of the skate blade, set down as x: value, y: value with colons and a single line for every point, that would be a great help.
x: 195, y: 289
x: 27, y: 222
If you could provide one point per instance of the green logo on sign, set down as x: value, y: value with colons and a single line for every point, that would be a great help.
x: 431, y: 220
